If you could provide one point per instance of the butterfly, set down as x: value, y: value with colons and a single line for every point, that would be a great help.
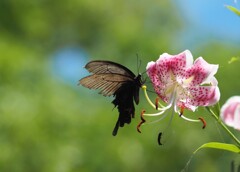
x: 113, y: 79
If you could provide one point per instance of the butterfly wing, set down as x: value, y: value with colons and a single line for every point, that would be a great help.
x: 107, y: 83
x: 124, y: 102
x: 114, y: 79
x: 101, y: 66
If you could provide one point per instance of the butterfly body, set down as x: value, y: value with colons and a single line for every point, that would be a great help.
x: 113, y: 79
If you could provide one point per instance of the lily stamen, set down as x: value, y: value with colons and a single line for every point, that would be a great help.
x: 142, y: 121
x: 156, y: 103
x: 157, y: 120
x: 163, y: 108
x: 203, y: 121
x: 154, y: 114
x: 189, y: 119
x: 181, y: 83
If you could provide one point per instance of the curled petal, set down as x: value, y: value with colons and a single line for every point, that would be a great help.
x: 230, y: 112
x: 173, y: 63
x: 152, y: 71
x: 201, y: 71
x: 184, y: 59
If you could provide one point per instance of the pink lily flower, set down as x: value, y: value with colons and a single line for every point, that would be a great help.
x: 182, y: 84
x: 230, y: 112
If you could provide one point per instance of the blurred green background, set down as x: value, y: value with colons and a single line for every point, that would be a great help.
x: 48, y: 123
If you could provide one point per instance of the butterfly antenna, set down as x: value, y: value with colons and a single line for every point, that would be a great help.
x: 145, y: 81
x: 144, y: 72
x: 150, y: 91
x: 138, y: 63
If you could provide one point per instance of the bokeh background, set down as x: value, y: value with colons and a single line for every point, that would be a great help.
x: 49, y: 123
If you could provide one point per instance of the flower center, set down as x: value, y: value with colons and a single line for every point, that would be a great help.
x: 178, y: 90
x: 175, y: 89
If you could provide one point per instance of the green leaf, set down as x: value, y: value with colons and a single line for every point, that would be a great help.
x: 233, y: 9
x: 221, y: 146
x: 233, y: 59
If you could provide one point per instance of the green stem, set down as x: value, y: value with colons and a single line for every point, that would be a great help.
x: 224, y: 127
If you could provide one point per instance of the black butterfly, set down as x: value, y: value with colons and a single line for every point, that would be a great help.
x: 115, y: 79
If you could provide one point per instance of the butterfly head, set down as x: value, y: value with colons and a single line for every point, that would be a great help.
x: 139, y: 80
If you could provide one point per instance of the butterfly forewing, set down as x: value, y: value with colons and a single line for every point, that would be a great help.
x: 114, y: 79
x: 100, y: 66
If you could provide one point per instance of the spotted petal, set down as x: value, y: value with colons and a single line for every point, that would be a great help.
x: 166, y: 68
x: 177, y: 79
x: 174, y: 63
x: 201, y: 72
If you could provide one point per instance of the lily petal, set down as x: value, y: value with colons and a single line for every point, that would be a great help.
x: 174, y: 63
x: 237, y: 118
x: 230, y: 112
x: 201, y: 71
x: 204, y: 95
x: 177, y: 79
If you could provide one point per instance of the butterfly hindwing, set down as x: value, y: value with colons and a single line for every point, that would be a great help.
x: 125, y: 105
x: 108, y: 83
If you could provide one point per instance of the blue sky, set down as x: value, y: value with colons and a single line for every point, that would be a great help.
x: 209, y: 19
x: 204, y: 20
x: 68, y: 64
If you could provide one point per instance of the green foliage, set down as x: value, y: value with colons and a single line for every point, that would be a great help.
x: 48, y: 125
x: 233, y: 60
x: 220, y: 146
x: 233, y: 9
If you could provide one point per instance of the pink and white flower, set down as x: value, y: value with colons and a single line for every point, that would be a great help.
x: 182, y: 83
x: 177, y: 80
x: 230, y: 112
